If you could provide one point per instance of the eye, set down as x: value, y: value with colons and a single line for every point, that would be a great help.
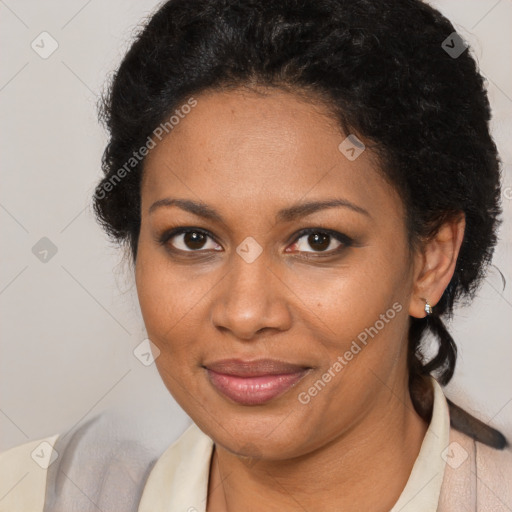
x: 189, y: 240
x: 321, y: 241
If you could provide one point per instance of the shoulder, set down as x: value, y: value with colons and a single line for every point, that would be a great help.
x: 82, y: 468
x: 494, y: 476
x: 476, y: 475
x: 23, y: 472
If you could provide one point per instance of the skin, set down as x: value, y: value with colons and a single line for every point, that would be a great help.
x: 248, y: 155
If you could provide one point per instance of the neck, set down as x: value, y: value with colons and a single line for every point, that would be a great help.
x: 365, y: 468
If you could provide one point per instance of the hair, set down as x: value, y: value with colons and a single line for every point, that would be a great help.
x: 381, y: 68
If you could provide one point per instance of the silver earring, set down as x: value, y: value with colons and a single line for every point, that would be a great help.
x: 428, y: 307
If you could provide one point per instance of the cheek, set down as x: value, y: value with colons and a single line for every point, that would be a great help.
x: 167, y: 306
x: 166, y: 298
x: 364, y: 321
x: 350, y: 299
x: 364, y: 343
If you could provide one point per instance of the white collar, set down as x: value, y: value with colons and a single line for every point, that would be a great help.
x: 423, y: 488
x: 179, y: 479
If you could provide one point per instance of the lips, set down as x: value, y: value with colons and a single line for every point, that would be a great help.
x: 254, y: 382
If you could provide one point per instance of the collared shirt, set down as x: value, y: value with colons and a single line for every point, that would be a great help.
x: 179, y: 480
x: 93, y: 477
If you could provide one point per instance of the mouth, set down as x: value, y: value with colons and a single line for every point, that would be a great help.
x: 254, y: 382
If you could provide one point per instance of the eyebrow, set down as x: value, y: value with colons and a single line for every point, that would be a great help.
x: 285, y: 215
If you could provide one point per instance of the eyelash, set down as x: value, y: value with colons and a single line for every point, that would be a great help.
x: 344, y: 240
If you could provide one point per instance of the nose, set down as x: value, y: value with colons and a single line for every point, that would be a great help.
x: 251, y: 299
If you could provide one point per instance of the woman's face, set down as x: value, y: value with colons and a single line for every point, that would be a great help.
x: 244, y: 282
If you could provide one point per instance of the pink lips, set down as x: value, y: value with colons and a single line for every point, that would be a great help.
x: 254, y: 382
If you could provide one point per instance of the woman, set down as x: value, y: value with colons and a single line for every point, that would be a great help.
x: 306, y: 188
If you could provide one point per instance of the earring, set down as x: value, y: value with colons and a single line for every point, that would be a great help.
x: 428, y: 307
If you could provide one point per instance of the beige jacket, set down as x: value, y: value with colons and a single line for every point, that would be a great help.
x: 92, y: 469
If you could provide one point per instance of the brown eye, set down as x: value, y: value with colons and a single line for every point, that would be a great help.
x: 194, y: 240
x: 318, y: 241
x: 191, y: 240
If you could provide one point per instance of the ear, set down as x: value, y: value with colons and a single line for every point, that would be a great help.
x: 435, y: 264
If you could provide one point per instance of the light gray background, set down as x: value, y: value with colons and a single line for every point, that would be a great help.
x: 69, y: 325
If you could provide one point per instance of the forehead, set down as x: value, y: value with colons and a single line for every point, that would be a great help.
x: 245, y: 150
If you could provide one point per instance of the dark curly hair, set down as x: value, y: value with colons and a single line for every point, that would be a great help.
x: 383, y: 69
